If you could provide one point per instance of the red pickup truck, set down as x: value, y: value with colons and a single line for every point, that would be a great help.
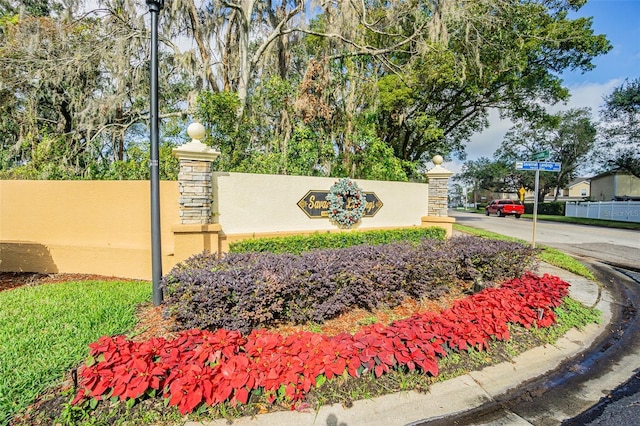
x: 505, y: 208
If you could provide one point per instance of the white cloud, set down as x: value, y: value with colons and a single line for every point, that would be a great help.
x: 588, y: 95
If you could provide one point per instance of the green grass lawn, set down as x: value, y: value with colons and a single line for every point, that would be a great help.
x: 45, y: 330
x: 547, y: 254
x: 585, y: 221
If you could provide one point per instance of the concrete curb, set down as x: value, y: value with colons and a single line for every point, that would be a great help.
x: 462, y: 393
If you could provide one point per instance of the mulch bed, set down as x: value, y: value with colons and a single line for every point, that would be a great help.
x: 9, y: 280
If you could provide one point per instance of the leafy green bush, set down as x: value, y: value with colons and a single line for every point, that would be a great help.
x: 554, y: 208
x: 299, y: 243
x: 244, y: 291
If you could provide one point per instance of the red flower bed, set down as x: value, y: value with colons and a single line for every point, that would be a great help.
x: 212, y: 367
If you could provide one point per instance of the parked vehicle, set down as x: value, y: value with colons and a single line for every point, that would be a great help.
x: 505, y: 208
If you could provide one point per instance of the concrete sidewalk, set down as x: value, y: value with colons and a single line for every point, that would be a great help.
x: 459, y: 394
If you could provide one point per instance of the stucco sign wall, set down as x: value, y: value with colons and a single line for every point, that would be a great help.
x: 250, y: 203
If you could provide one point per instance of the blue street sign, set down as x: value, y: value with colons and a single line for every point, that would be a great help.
x: 527, y: 165
x: 549, y: 166
x: 546, y: 166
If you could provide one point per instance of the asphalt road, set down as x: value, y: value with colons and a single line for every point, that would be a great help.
x: 613, y: 246
x: 619, y: 406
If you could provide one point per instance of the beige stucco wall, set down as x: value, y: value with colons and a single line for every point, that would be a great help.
x: 576, y: 190
x: 250, y: 203
x: 602, y: 188
x: 607, y: 187
x: 103, y: 227
x: 627, y: 185
x: 98, y: 227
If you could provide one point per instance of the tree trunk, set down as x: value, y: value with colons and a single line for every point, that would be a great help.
x: 243, y: 53
x: 541, y: 195
x: 202, y: 46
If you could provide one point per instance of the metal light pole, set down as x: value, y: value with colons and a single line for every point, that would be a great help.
x: 156, y: 248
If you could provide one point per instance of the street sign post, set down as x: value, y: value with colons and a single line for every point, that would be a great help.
x: 545, y: 166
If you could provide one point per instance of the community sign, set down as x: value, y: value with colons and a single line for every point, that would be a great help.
x: 315, y: 204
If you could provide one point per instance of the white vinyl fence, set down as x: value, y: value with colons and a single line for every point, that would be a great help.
x: 625, y: 211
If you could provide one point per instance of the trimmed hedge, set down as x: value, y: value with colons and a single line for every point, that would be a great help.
x: 245, y: 291
x: 299, y: 243
x: 555, y: 208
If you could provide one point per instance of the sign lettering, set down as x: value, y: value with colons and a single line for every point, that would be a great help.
x: 315, y: 204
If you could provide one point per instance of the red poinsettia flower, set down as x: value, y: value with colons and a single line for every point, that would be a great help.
x: 212, y: 367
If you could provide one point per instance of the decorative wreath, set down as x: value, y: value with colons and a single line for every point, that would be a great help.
x: 346, y: 203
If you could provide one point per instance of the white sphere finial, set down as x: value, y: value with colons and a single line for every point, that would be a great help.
x: 437, y: 160
x: 196, y: 131
x: 195, y: 149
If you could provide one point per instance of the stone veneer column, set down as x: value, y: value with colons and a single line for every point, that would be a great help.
x: 438, y: 188
x: 437, y: 205
x: 196, y: 232
x: 194, y: 178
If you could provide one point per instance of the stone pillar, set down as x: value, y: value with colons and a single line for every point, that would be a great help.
x: 437, y: 205
x: 438, y: 188
x: 196, y: 232
x: 194, y: 179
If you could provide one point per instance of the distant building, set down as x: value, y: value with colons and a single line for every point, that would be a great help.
x: 615, y: 185
x: 578, y: 188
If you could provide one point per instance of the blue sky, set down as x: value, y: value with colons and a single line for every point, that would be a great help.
x: 619, y: 20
